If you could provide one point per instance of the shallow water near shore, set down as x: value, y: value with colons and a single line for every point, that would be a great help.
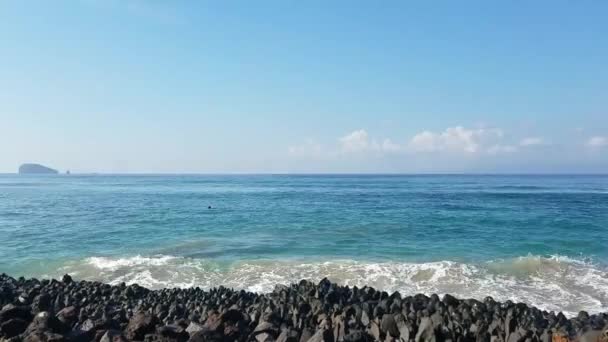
x: 542, y: 240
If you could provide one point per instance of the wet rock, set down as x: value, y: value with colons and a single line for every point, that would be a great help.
x: 306, y: 334
x: 404, y: 330
x: 87, y: 325
x: 232, y: 316
x: 213, y: 322
x: 374, y: 330
x: 389, y: 326
x: 113, y: 336
x: 264, y: 337
x: 338, y: 324
x: 92, y: 311
x: 426, y: 331
x: 13, y: 327
x: 235, y: 331
x: 364, y: 319
x: 41, y: 302
x: 545, y: 336
x: 356, y: 336
x: 79, y: 336
x: 44, y: 337
x: 206, y: 336
x: 66, y: 279
x: 173, y: 333
x: 288, y: 335
x: 140, y: 325
x: 44, y: 321
x: 194, y: 327
x: 68, y: 315
x: 322, y: 335
x: 265, y: 331
x: 11, y: 311
x: 592, y: 336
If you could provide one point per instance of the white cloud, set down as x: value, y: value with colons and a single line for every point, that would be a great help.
x: 453, y: 142
x: 359, y: 141
x: 388, y: 145
x: 597, y: 141
x: 532, y: 141
x: 452, y: 149
x: 425, y: 141
x: 457, y: 139
x: 355, y: 141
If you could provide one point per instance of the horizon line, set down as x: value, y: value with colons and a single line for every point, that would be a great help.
x: 314, y: 174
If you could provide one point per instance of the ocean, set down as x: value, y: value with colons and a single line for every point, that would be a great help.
x: 541, y: 240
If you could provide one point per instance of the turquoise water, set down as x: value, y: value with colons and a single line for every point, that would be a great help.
x: 539, y: 239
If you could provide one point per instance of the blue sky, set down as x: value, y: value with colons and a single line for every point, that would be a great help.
x: 308, y: 86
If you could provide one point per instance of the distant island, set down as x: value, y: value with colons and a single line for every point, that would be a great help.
x: 36, y: 169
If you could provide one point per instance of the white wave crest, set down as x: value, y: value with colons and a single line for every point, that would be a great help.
x: 554, y: 283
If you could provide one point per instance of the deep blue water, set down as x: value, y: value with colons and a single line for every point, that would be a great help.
x: 464, y: 234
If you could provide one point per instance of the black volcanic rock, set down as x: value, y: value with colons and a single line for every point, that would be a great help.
x: 36, y: 169
x: 74, y: 311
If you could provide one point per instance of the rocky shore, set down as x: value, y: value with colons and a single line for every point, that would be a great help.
x: 67, y: 310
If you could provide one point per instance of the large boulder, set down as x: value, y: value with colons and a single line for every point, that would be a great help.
x: 42, y: 302
x: 206, y: 336
x: 68, y: 315
x: 44, y: 321
x: 173, y: 332
x: 13, y: 327
x: 113, y: 336
x: 10, y: 311
x: 594, y: 336
x: 389, y: 326
x: 193, y: 328
x: 44, y: 337
x: 140, y: 325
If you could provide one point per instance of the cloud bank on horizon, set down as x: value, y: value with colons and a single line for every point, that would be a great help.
x: 455, y: 140
x: 459, y: 149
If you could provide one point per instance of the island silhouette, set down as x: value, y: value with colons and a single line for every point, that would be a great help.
x: 31, y: 168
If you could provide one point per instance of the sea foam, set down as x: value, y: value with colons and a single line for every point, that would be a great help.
x: 551, y: 283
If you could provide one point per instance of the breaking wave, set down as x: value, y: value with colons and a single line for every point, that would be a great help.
x: 551, y: 283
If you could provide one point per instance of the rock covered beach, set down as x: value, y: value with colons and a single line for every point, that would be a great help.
x: 68, y: 310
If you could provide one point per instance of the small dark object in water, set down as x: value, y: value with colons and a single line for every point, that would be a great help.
x: 209, y: 207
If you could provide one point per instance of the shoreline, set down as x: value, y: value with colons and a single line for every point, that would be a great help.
x: 69, y: 310
x: 530, y: 279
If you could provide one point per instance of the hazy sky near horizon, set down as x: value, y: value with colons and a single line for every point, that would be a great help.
x: 304, y: 86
